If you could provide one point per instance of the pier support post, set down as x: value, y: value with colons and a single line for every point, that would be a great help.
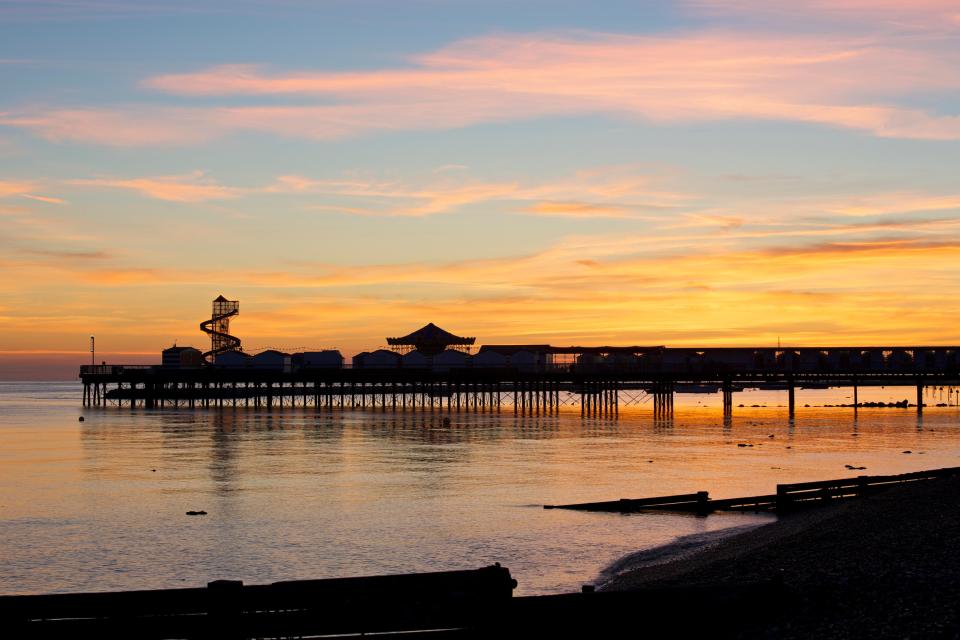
x: 920, y: 398
x: 663, y: 398
x: 791, y: 398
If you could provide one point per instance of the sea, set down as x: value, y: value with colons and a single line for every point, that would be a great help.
x: 305, y: 493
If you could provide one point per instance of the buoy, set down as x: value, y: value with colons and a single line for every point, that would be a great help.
x: 80, y: 419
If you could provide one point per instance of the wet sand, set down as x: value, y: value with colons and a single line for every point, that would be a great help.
x: 883, y: 567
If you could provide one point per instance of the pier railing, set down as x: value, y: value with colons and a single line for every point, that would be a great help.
x: 114, y: 369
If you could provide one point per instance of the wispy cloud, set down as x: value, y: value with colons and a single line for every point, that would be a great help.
x: 616, y: 191
x: 602, y: 192
x: 46, y: 199
x: 855, y: 82
x: 570, y: 209
x: 24, y: 189
x: 639, y: 287
x: 195, y: 187
x: 10, y: 188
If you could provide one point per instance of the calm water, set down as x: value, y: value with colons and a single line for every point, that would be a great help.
x: 299, y: 494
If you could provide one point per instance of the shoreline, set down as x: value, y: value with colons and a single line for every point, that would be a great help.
x: 883, y: 566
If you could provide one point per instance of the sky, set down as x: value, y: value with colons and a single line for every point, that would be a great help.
x: 687, y: 172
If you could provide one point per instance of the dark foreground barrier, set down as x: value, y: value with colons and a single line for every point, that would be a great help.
x: 461, y: 604
x: 789, y: 497
x: 230, y: 609
x: 810, y: 494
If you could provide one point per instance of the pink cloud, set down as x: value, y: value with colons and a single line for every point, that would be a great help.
x: 47, y: 199
x: 190, y: 188
x: 618, y: 191
x: 15, y: 188
x: 606, y: 192
x: 837, y: 80
x: 130, y: 126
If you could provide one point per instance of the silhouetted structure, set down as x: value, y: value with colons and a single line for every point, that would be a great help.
x: 218, y: 327
x: 461, y: 604
x: 789, y: 497
x: 530, y: 378
x: 180, y: 357
x: 429, y: 340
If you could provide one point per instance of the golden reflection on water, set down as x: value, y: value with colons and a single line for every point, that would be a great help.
x: 300, y: 493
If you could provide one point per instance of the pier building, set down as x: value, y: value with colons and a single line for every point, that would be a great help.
x: 430, y: 340
x: 180, y: 357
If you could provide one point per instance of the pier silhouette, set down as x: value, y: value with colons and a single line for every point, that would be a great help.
x: 598, y: 380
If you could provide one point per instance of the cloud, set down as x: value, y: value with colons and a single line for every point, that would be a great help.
x: 604, y: 192
x: 612, y: 192
x: 194, y: 187
x: 860, y: 82
x: 891, y: 202
x: 70, y: 254
x: 577, y: 210
x: 121, y: 126
x: 47, y: 199
x: 15, y: 188
x: 638, y: 290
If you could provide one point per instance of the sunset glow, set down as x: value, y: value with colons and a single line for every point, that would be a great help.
x: 678, y: 173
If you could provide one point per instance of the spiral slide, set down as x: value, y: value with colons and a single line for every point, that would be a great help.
x: 219, y: 325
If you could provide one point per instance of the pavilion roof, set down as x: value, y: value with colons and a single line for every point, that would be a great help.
x: 430, y: 334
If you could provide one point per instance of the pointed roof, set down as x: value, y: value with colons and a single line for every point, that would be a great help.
x: 220, y: 298
x: 430, y: 334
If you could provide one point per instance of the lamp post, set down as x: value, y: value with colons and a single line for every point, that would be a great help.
x: 93, y: 359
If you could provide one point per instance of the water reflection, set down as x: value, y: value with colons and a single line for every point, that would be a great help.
x: 305, y: 493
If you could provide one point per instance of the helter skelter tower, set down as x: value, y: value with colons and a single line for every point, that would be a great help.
x: 218, y: 327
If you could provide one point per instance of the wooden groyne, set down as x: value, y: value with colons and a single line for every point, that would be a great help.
x: 789, y: 497
x: 473, y: 604
x: 230, y: 609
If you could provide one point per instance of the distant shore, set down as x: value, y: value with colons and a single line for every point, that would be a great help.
x: 883, y: 567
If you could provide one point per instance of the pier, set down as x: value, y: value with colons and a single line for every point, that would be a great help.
x: 597, y: 380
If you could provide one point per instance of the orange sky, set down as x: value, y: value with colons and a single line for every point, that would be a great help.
x: 695, y: 173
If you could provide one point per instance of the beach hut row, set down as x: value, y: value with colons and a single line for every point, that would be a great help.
x: 380, y: 359
x: 448, y: 360
x: 274, y: 360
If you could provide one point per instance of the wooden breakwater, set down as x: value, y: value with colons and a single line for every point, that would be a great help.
x: 230, y: 609
x: 473, y: 604
x: 789, y: 497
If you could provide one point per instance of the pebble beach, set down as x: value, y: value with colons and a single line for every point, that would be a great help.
x: 887, y: 566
